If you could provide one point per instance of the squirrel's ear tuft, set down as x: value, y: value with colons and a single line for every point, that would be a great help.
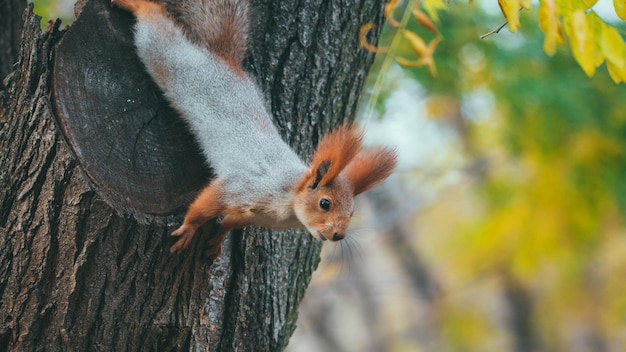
x: 332, y: 155
x: 320, y: 172
x: 369, y: 168
x: 335, y: 151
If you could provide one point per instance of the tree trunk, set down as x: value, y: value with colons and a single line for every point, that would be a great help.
x: 10, y: 34
x: 84, y: 268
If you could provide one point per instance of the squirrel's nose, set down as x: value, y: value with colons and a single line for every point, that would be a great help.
x: 338, y: 236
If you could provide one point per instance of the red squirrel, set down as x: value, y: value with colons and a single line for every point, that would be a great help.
x: 195, y: 55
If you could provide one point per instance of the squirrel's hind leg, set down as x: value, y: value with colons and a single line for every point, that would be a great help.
x: 206, y: 206
x: 231, y: 221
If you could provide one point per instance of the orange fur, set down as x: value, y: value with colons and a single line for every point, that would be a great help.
x: 331, y: 224
x: 206, y: 206
x: 369, y: 168
x: 141, y: 8
x: 339, y: 170
x: 333, y: 153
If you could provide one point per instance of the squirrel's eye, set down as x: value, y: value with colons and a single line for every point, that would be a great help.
x: 325, y: 204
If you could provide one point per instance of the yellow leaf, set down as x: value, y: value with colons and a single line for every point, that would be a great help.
x: 417, y: 43
x: 587, y: 4
x: 510, y: 10
x: 365, y: 44
x: 390, y: 8
x: 422, y: 50
x: 423, y: 20
x: 596, y: 25
x: 566, y: 7
x: 550, y: 25
x: 620, y: 8
x: 613, y: 47
x: 581, y: 41
x: 432, y: 6
x: 410, y: 63
x: 617, y: 75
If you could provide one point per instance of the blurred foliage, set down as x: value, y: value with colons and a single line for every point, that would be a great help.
x: 52, y: 9
x: 551, y: 194
x: 592, y: 40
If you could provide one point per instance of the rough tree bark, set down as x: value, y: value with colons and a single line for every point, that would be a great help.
x: 81, y: 270
x: 10, y: 34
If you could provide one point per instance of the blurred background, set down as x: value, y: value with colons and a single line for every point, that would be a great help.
x: 503, y: 228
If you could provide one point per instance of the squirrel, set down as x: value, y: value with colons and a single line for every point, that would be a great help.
x: 194, y: 50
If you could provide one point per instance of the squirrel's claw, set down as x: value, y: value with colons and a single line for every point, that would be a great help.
x: 186, y: 234
x: 216, y: 244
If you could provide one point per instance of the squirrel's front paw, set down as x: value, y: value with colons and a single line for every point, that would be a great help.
x: 185, y: 233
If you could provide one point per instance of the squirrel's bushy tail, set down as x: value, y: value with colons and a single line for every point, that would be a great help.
x: 220, y: 26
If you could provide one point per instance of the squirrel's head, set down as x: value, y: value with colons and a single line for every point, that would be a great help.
x: 340, y: 169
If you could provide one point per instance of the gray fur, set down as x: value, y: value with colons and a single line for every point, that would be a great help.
x: 226, y: 113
